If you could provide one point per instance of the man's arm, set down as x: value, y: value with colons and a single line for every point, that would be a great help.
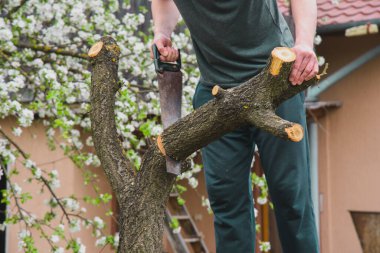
x: 305, y: 20
x: 165, y: 18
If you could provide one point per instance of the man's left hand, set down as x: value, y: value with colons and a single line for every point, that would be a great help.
x: 305, y: 66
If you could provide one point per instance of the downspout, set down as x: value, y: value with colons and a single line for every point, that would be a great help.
x: 313, y: 142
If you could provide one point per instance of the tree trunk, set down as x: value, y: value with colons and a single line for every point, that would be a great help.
x: 142, y: 195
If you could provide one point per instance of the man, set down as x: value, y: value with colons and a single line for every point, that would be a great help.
x: 232, y: 41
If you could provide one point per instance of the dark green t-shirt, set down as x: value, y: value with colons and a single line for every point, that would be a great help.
x: 233, y: 38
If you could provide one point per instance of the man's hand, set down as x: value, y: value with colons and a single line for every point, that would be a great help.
x: 164, y: 46
x: 305, y: 66
x: 165, y: 18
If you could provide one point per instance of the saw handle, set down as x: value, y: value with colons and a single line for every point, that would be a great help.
x: 161, y: 66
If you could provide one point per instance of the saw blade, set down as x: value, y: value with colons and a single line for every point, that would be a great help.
x: 170, y: 88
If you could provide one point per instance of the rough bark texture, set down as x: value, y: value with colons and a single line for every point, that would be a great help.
x: 142, y: 195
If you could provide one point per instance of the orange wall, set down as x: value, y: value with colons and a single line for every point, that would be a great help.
x: 34, y: 142
x: 349, y: 138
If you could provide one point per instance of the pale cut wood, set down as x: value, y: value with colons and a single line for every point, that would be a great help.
x: 95, y: 49
x: 217, y: 91
x: 295, y: 132
x: 279, y: 56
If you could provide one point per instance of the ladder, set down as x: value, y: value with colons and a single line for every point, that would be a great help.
x: 189, y: 240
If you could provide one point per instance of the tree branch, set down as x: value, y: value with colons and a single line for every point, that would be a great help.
x: 51, y: 49
x: 251, y: 103
x: 105, y: 83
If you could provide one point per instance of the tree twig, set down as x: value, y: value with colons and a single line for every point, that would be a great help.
x: 51, y: 49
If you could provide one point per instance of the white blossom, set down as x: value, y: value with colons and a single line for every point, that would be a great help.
x: 321, y: 60
x: 89, y: 141
x: 262, y: 200
x: 54, y: 238
x: 54, y: 173
x: 265, y: 246
x: 17, y: 189
x: 74, y: 225
x: 317, y: 40
x: 193, y: 182
x: 37, y: 173
x: 29, y: 164
x: 98, y: 222
x: 17, y: 131
x: 82, y: 248
x: 26, y: 117
x: 23, y: 233
x: 71, y: 203
x: 206, y: 203
x: 177, y: 230
x: 101, y: 241
x: 55, y: 183
x: 59, y: 250
x: 116, y: 240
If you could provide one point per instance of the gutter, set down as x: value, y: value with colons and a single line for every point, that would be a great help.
x: 314, y: 92
x: 314, y: 181
x: 340, y: 28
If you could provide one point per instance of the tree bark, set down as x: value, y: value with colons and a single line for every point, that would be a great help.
x: 142, y: 194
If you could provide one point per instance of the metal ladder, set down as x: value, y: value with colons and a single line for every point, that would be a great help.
x: 189, y: 240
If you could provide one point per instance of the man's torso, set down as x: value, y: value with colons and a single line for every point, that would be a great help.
x: 233, y: 38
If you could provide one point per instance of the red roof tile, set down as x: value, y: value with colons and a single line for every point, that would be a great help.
x: 331, y: 12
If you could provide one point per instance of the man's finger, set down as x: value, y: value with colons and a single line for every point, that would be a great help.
x: 307, y: 71
x: 295, y: 70
x: 301, y: 69
x: 161, y: 48
x: 314, y: 72
x: 172, y: 54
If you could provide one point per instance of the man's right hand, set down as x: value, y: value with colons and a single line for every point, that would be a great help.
x: 164, y: 46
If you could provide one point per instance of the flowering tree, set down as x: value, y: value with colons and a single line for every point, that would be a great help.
x: 45, y: 77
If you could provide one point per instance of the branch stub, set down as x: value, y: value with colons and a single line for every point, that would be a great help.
x: 95, y: 49
x: 217, y: 91
x: 279, y: 56
x: 295, y: 132
x: 160, y: 145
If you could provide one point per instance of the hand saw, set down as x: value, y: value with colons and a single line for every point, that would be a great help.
x: 170, y: 88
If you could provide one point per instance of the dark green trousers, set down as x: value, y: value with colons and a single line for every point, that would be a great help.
x: 227, y: 163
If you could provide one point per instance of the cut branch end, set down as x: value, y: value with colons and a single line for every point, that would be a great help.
x: 217, y: 91
x: 95, y: 49
x: 160, y: 145
x: 295, y: 132
x: 279, y: 56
